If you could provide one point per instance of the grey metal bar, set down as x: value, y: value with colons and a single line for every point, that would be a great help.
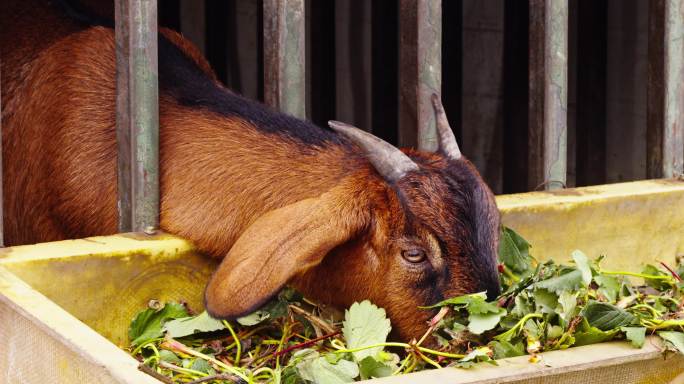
x: 285, y: 56
x: 420, y: 71
x: 548, y: 93
x: 665, y: 116
x: 137, y: 114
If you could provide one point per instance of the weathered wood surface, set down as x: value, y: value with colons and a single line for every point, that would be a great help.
x: 591, y: 100
x: 665, y: 117
x: 2, y: 238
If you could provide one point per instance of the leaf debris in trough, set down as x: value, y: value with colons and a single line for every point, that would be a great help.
x: 545, y: 306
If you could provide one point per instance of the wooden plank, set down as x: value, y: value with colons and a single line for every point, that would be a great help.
x: 603, y: 219
x: 137, y: 114
x: 384, y: 68
x: 516, y: 95
x: 113, y: 268
x: 353, y: 63
x: 608, y: 362
x: 42, y: 328
x: 193, y: 22
x: 592, y: 46
x: 219, y: 19
x: 169, y: 15
x: 420, y: 71
x: 285, y: 56
x: 2, y: 216
x: 223, y: 38
x: 630, y: 223
x: 247, y: 32
x: 548, y: 66
x: 323, y: 87
x: 452, y: 61
x: 665, y: 116
x: 232, y: 49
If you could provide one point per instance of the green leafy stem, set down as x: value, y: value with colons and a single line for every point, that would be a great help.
x: 654, y: 324
x: 516, y: 328
x: 341, y: 349
x: 509, y: 274
x: 174, y: 345
x: 238, y: 344
x: 634, y: 274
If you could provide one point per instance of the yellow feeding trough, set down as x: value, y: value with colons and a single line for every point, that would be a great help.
x: 65, y: 306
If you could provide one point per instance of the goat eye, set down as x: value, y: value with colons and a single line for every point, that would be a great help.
x: 414, y: 255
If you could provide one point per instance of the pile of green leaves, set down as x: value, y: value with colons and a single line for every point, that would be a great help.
x: 548, y: 306
x: 287, y: 341
x: 544, y: 306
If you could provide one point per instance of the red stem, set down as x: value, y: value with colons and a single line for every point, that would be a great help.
x: 676, y: 276
x: 305, y: 344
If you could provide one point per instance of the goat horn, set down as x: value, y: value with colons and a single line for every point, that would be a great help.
x: 388, y: 160
x: 447, y: 141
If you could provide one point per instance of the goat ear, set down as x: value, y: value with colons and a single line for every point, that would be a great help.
x: 276, y: 247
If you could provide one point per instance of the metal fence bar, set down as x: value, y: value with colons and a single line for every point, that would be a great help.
x: 548, y: 93
x: 665, y: 116
x: 137, y: 114
x: 420, y: 71
x: 285, y: 56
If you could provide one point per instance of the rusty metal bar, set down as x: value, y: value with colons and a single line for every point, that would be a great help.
x: 137, y: 114
x: 420, y: 71
x: 548, y: 76
x: 285, y: 56
x: 665, y: 116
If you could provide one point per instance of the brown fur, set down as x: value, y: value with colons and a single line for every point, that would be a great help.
x: 318, y: 217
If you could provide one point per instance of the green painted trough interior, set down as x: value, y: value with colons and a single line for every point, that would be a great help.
x: 65, y: 306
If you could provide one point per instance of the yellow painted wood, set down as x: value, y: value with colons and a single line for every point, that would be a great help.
x: 115, y: 246
x: 42, y: 343
x: 105, y: 281
x: 613, y: 362
x: 46, y: 290
x: 631, y: 223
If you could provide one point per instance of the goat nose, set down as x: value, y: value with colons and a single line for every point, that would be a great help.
x: 493, y: 291
x: 491, y: 285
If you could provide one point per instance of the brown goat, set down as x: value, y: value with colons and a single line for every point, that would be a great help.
x: 342, y: 216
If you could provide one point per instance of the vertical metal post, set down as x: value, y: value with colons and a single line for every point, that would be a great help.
x: 420, y: 71
x: 137, y: 114
x: 665, y: 115
x: 285, y: 56
x: 548, y: 76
